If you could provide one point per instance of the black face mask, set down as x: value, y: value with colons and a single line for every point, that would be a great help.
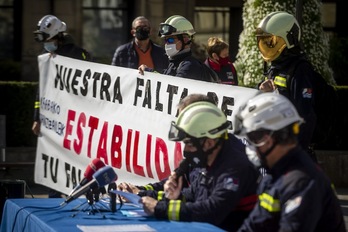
x: 197, y: 159
x: 142, y: 34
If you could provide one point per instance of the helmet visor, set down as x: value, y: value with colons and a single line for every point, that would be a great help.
x: 176, y: 133
x: 166, y: 29
x: 40, y: 36
x: 270, y: 46
x: 258, y: 138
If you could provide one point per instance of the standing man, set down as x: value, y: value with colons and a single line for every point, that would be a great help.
x: 224, y: 190
x: 141, y: 50
x: 295, y: 195
x: 177, y: 33
x: 51, y: 34
x: 278, y: 39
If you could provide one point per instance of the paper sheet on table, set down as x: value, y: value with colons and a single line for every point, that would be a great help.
x: 134, y: 213
x: 131, y: 197
x: 120, y: 228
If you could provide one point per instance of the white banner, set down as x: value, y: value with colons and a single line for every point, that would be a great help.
x: 90, y: 110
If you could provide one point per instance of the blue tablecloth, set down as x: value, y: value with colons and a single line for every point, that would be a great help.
x: 44, y: 214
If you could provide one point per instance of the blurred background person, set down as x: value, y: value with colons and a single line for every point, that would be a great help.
x: 141, y: 50
x: 219, y: 60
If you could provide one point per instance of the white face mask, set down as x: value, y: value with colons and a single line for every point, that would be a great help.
x: 50, y: 46
x: 252, y: 155
x: 171, y: 49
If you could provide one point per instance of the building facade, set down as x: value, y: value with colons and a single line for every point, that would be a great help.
x: 100, y: 26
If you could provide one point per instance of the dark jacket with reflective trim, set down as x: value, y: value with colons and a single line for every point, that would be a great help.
x: 215, y: 195
x: 295, y: 196
x: 299, y: 92
x: 126, y: 56
x: 68, y: 49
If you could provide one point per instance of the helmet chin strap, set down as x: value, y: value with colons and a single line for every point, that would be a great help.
x: 263, y: 155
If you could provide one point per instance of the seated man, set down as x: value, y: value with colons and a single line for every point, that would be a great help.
x: 189, y: 176
x: 224, y: 191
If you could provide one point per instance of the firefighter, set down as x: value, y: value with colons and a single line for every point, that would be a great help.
x: 224, y: 191
x: 51, y: 34
x: 295, y: 195
x: 279, y: 39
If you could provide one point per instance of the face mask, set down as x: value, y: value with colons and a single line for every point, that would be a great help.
x: 197, y: 158
x: 50, y: 46
x: 171, y: 50
x: 252, y: 155
x: 224, y: 61
x: 142, y: 34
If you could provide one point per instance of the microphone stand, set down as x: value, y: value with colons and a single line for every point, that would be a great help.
x: 92, y: 197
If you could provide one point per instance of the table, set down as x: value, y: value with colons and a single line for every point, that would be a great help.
x: 27, y: 216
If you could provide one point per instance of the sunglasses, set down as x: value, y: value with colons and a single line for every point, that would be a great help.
x: 169, y: 40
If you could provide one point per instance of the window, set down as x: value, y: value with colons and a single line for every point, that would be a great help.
x: 104, y: 25
x: 6, y: 29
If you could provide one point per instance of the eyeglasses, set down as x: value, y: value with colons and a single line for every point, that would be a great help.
x: 166, y: 29
x: 170, y: 40
x: 258, y: 138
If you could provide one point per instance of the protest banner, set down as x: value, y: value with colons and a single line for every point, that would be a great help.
x: 90, y: 110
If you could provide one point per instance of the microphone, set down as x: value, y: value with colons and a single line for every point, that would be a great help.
x: 102, y: 177
x: 183, y: 168
x: 95, y: 165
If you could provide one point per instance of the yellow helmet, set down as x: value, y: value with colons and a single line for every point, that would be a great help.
x: 199, y: 120
x: 176, y: 25
x: 275, y: 32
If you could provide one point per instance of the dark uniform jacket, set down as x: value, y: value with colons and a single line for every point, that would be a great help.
x: 223, y: 194
x: 186, y: 66
x: 68, y: 49
x: 295, y: 196
x: 298, y: 91
x: 126, y: 56
x: 227, y: 73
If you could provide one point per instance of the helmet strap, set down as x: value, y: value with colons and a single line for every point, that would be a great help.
x: 263, y: 155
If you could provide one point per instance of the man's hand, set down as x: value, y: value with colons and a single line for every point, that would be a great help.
x: 267, y: 86
x: 149, y: 205
x: 142, y: 69
x: 36, y: 128
x: 128, y: 187
x: 173, y: 186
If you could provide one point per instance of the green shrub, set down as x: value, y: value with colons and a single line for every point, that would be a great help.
x: 17, y: 103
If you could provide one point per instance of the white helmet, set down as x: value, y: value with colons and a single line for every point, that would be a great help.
x: 176, y: 25
x: 265, y: 111
x: 48, y: 27
x: 199, y: 120
x: 275, y: 32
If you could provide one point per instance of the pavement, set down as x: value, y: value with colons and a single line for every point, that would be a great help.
x: 39, y: 191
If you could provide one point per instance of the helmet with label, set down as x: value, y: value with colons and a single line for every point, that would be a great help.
x: 176, y: 25
x: 265, y: 111
x: 48, y: 27
x: 275, y: 32
x: 199, y: 120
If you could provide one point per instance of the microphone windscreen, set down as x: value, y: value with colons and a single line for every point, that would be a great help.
x: 92, y: 168
x: 105, y: 175
x: 183, y: 168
